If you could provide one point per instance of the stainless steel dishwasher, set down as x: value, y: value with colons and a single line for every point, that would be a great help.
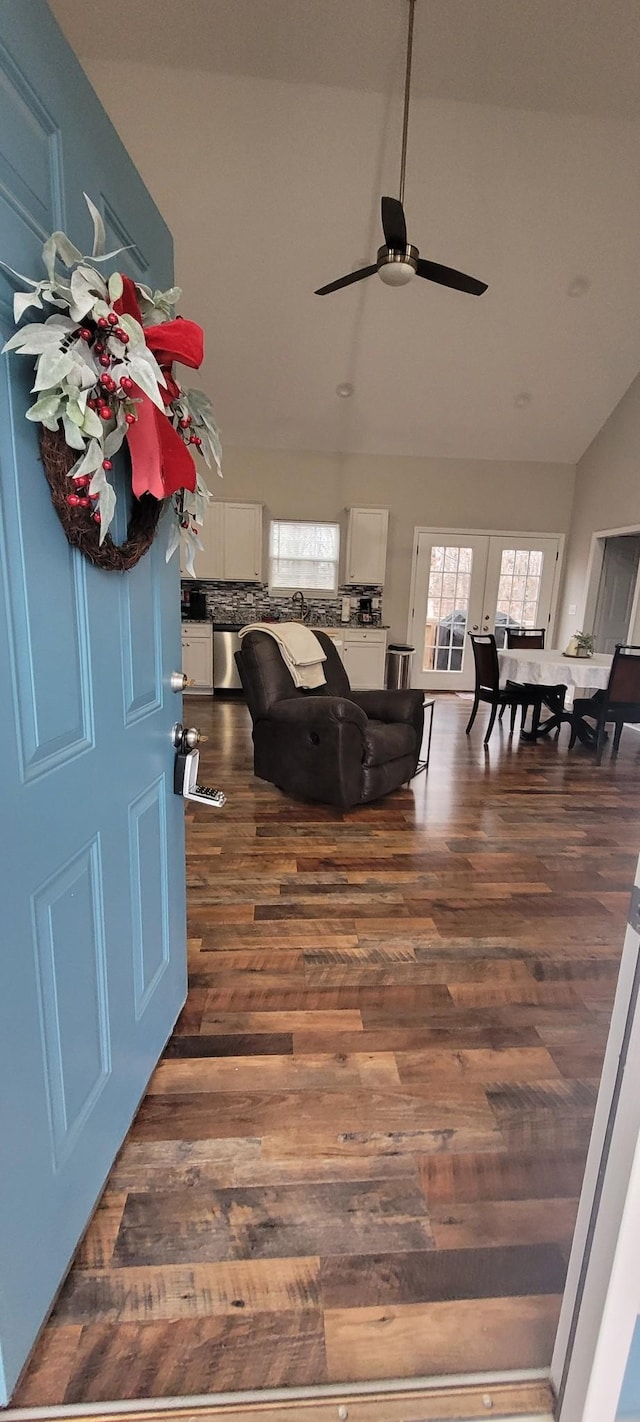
x: 226, y: 643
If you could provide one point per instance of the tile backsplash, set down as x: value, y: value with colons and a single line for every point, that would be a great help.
x: 250, y: 602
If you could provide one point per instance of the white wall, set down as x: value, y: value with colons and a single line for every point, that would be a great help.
x: 440, y: 492
x: 607, y: 496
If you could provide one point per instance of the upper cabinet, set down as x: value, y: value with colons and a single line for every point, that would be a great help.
x: 241, y: 542
x: 367, y: 546
x: 231, y: 543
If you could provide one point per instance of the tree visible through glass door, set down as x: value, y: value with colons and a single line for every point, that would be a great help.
x: 518, y: 590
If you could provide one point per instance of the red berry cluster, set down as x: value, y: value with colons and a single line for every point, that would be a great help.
x: 83, y: 499
x: 95, y: 336
x: 184, y: 424
x: 110, y: 323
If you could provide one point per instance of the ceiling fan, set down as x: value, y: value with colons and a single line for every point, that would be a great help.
x: 397, y: 261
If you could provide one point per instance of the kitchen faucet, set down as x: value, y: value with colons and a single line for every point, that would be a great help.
x: 303, y: 607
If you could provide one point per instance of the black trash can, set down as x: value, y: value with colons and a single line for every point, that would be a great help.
x: 398, y: 671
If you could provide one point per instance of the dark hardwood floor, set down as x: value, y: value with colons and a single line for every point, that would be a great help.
x: 361, y: 1154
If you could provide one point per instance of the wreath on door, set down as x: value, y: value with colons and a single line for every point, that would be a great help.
x: 104, y: 380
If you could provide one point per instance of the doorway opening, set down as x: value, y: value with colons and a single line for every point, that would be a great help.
x: 617, y: 589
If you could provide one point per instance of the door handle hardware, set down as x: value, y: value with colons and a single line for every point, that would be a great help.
x: 192, y: 737
x: 185, y: 771
x: 178, y: 681
x: 186, y: 738
x: 185, y: 781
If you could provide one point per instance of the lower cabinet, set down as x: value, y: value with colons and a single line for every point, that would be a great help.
x: 197, y: 656
x: 363, y: 654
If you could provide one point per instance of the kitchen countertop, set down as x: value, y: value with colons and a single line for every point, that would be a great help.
x: 314, y: 626
x: 348, y: 626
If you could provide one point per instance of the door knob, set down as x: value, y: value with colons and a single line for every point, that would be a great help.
x: 475, y: 627
x: 178, y: 681
x: 186, y: 737
x: 192, y: 737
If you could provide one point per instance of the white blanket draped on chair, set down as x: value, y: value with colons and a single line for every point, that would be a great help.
x: 300, y: 649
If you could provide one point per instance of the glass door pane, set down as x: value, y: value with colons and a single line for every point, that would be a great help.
x: 520, y: 580
x: 449, y: 583
x: 447, y: 618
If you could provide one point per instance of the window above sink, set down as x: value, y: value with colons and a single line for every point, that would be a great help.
x: 304, y: 556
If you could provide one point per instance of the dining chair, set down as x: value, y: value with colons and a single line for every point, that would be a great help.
x: 531, y: 637
x: 488, y: 689
x: 620, y: 701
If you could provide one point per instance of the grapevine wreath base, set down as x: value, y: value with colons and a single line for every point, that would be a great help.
x: 58, y: 459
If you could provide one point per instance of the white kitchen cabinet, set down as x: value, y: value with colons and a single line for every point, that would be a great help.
x: 208, y: 559
x: 197, y: 656
x: 363, y: 654
x: 242, y: 542
x: 231, y: 540
x: 367, y: 546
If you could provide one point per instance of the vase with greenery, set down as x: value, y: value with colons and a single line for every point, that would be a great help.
x: 585, y: 644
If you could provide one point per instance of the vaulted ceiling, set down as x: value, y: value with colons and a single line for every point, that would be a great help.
x: 267, y: 131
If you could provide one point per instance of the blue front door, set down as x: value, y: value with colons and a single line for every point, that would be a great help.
x: 92, y: 883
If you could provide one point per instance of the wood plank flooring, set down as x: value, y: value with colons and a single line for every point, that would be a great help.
x: 361, y: 1153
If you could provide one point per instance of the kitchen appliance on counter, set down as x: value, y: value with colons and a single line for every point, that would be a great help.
x: 193, y: 603
x: 365, y: 611
x: 226, y: 642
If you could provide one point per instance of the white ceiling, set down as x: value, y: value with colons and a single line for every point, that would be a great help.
x: 573, y: 56
x: 267, y: 131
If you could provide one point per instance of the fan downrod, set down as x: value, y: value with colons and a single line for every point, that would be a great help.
x: 397, y: 261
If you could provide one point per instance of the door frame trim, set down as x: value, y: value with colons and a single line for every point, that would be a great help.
x: 490, y: 533
x: 601, y: 1301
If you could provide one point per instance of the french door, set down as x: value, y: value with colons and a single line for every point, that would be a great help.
x: 474, y: 582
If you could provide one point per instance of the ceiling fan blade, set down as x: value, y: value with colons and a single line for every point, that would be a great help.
x: 346, y: 280
x: 448, y: 276
x: 393, y: 224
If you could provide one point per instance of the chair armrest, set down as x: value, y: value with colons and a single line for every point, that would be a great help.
x: 407, y: 705
x: 317, y: 711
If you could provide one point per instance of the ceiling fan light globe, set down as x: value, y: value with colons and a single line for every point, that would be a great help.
x: 396, y: 273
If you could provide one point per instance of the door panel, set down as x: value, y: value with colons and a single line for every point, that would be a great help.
x: 93, y: 971
x: 519, y: 588
x: 448, y: 592
x: 242, y: 538
x: 75, y: 1037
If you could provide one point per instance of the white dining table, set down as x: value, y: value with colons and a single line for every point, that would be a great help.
x: 550, y: 668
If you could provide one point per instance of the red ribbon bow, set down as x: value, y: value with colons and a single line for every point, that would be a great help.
x: 160, y: 460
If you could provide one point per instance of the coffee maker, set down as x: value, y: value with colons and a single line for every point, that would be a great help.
x: 365, y: 610
x: 193, y: 603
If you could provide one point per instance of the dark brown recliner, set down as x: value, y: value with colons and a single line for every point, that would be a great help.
x: 335, y: 745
